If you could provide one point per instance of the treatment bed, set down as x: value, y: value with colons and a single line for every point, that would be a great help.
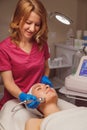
x: 16, y: 120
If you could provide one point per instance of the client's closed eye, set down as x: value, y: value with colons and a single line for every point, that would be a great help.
x: 38, y: 89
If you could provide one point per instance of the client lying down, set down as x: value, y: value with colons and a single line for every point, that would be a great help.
x: 53, y: 117
x: 48, y: 107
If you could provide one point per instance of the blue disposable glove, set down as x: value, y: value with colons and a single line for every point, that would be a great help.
x: 46, y: 80
x: 33, y: 104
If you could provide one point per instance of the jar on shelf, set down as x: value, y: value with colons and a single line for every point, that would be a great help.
x: 76, y: 60
x: 70, y: 37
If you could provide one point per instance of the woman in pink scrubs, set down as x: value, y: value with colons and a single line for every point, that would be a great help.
x: 24, y: 54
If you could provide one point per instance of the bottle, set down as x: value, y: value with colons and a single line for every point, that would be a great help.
x: 70, y: 37
x: 76, y: 60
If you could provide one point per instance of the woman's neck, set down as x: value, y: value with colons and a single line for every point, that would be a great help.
x: 49, y: 109
x: 26, y: 45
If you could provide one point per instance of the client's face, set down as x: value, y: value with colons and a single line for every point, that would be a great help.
x: 44, y: 91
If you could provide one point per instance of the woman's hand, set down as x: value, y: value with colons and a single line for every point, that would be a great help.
x: 46, y: 80
x: 26, y: 97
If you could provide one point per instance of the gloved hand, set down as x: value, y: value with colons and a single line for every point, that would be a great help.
x: 33, y: 104
x: 46, y: 80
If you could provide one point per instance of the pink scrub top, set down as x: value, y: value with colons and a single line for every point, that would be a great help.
x: 27, y: 68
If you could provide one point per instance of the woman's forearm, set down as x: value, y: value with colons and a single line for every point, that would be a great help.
x: 9, y: 83
x: 47, y: 69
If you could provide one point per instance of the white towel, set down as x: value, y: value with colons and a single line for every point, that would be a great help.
x: 14, y: 120
x: 71, y: 119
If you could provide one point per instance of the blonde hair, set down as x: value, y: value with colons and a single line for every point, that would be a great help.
x: 22, y: 12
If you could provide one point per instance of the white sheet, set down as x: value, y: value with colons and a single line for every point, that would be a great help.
x: 72, y: 119
x: 16, y: 120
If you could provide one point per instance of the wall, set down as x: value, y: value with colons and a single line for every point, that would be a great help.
x: 75, y: 9
x: 68, y: 7
x: 82, y: 15
x: 57, y: 30
x: 6, y: 11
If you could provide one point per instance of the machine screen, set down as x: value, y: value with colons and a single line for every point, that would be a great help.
x: 83, y: 71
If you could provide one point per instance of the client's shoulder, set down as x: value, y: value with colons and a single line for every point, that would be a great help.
x: 33, y: 124
x: 35, y: 120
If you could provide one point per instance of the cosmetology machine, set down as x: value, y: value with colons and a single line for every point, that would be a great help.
x: 76, y: 83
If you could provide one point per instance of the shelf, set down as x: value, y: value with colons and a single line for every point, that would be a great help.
x: 65, y: 46
x: 58, y: 62
x: 59, y: 66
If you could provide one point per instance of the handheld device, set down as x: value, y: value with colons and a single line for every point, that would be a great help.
x: 15, y: 108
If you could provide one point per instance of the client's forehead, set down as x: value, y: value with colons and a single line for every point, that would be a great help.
x: 37, y: 85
